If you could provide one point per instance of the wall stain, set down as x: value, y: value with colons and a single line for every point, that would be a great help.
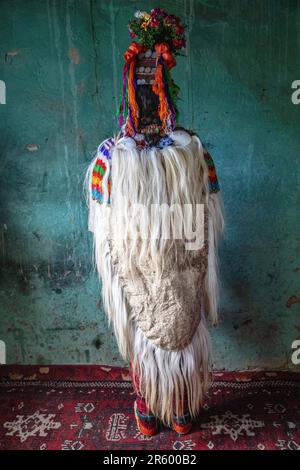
x: 57, y: 290
x: 235, y: 91
x: 97, y: 342
x: 74, y: 55
x: 87, y: 356
x: 246, y: 322
x: 292, y: 300
x: 37, y: 236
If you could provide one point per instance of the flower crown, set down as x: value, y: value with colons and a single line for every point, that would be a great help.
x: 156, y: 27
x: 161, y: 36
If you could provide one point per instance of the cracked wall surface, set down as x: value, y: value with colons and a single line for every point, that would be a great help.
x: 61, y: 62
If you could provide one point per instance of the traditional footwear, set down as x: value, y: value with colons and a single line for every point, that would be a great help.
x: 182, y: 424
x: 147, y: 424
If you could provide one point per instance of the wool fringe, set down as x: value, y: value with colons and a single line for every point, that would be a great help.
x: 165, y: 376
x: 215, y: 229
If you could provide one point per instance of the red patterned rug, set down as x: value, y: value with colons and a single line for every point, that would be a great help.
x: 91, y: 407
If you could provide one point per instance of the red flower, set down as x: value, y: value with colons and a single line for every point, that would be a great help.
x: 179, y: 29
x: 155, y: 12
x: 168, y: 21
x: 178, y: 42
x: 132, y: 34
x: 154, y: 23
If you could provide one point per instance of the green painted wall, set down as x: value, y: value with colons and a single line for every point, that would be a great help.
x: 61, y: 62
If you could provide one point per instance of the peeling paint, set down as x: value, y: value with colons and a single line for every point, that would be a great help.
x: 64, y: 91
x: 32, y: 147
x: 74, y: 55
x: 294, y: 299
x: 12, y: 53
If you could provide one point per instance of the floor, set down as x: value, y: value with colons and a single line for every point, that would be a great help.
x: 91, y: 407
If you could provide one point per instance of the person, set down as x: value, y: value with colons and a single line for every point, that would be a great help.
x: 156, y: 216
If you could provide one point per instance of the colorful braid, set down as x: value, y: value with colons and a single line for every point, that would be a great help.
x: 132, y: 103
x: 212, y: 174
x: 159, y: 89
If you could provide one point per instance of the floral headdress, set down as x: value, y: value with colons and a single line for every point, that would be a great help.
x: 158, y: 38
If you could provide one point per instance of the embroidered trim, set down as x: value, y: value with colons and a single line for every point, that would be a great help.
x: 101, y: 165
x: 212, y: 174
x: 99, y: 170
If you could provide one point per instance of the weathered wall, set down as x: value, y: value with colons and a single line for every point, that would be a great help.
x: 61, y: 62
